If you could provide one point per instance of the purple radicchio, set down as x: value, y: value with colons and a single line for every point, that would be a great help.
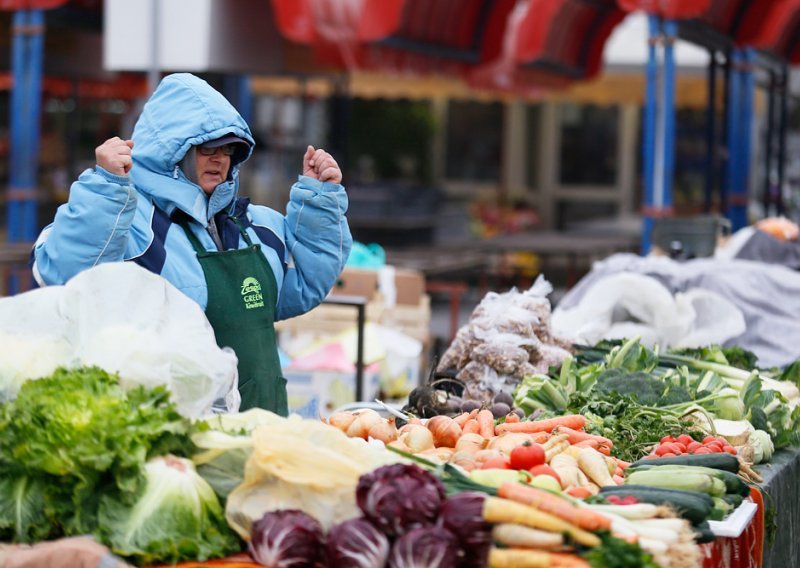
x: 399, y: 497
x: 356, y: 543
x: 429, y: 547
x: 462, y: 515
x: 287, y: 539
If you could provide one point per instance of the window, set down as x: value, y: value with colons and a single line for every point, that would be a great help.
x: 588, y: 150
x: 474, y: 141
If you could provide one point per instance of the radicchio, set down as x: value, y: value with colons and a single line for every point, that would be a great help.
x: 399, y: 497
x: 462, y: 514
x: 287, y: 539
x: 356, y: 543
x: 430, y: 547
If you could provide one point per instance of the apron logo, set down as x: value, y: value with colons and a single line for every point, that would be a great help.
x: 251, y: 293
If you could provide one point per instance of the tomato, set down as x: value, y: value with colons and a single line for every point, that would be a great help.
x: 629, y: 500
x: 667, y: 440
x: 714, y: 447
x: 730, y: 449
x: 680, y: 447
x: 703, y: 450
x: 498, y: 462
x: 708, y: 439
x: 668, y: 455
x: 545, y: 470
x: 663, y: 449
x: 526, y: 456
x: 685, y: 439
x: 693, y: 446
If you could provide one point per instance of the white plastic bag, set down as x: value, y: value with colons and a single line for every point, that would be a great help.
x: 125, y: 319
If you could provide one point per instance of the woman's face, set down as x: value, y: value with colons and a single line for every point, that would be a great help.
x: 212, y: 169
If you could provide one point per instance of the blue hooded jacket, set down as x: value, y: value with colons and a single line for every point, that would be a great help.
x: 110, y: 218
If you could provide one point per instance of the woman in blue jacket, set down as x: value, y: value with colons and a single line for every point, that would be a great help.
x: 167, y: 200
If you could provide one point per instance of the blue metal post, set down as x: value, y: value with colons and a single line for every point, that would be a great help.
x: 25, y: 108
x: 738, y: 199
x: 730, y: 191
x: 664, y: 201
x: 649, y: 130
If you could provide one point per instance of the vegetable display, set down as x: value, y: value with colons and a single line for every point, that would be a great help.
x: 287, y: 539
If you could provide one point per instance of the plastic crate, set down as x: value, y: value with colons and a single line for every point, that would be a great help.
x: 689, y: 237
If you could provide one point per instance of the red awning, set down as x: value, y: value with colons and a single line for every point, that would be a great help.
x: 10, y: 5
x: 308, y: 21
x: 538, y: 54
x: 671, y: 9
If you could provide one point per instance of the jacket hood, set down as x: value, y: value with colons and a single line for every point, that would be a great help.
x: 184, y: 111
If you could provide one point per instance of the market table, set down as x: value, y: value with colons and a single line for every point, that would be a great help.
x: 782, y: 501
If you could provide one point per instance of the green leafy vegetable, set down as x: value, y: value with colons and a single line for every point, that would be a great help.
x: 74, y: 439
x: 616, y: 553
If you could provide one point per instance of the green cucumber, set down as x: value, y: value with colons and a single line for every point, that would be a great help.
x: 691, y: 505
x: 720, y: 510
x: 685, y: 480
x: 702, y: 533
x: 733, y: 499
x: 733, y: 483
x: 723, y: 461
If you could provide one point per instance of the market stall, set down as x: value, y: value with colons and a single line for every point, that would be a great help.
x: 524, y: 449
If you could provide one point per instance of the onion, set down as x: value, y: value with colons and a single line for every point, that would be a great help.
x: 439, y: 454
x: 445, y: 430
x: 508, y: 441
x: 465, y: 460
x: 383, y: 431
x: 365, y: 419
x: 417, y: 438
x: 341, y: 420
x: 470, y: 442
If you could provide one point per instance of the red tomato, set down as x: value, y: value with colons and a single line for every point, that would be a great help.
x: 663, y: 449
x: 714, y: 447
x: 703, y: 450
x: 730, y: 449
x: 496, y: 463
x: 668, y: 455
x: 667, y: 440
x: 629, y: 500
x: 526, y: 456
x: 693, y: 446
x: 545, y: 470
x: 708, y: 439
x: 680, y: 447
x: 685, y: 439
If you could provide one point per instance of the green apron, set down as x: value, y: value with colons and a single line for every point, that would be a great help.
x: 242, y: 294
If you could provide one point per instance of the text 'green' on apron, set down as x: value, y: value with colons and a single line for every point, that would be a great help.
x: 242, y: 294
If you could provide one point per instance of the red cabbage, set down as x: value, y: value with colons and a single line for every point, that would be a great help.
x: 399, y: 497
x: 462, y: 514
x: 357, y: 544
x: 287, y: 539
x: 428, y: 547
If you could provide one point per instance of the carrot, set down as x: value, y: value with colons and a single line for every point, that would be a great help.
x: 574, y: 421
x: 622, y: 463
x: 549, y: 503
x: 497, y: 510
x: 471, y: 427
x: 525, y: 537
x: 603, y: 449
x: 618, y: 479
x: 587, y: 444
x: 567, y: 560
x: 461, y: 419
x: 486, y: 423
x: 619, y: 472
x: 576, y: 436
x: 578, y: 492
x: 593, y: 464
x: 518, y: 558
x: 554, y: 450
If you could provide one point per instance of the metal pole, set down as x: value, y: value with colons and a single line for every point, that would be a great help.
x: 766, y: 197
x: 25, y: 108
x: 665, y: 199
x: 740, y: 187
x: 711, y: 128
x: 734, y: 131
x: 649, y: 130
x: 153, y: 73
x: 782, y: 125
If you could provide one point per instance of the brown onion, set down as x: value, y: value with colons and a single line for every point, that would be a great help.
x: 445, y: 430
x: 417, y: 438
x: 366, y: 418
x: 383, y: 431
x: 341, y: 420
x: 470, y: 442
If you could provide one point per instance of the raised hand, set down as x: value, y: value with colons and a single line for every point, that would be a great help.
x: 114, y: 155
x: 318, y: 164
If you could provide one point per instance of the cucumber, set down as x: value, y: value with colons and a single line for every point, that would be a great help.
x: 723, y: 461
x: 733, y: 499
x: 691, y: 505
x: 686, y: 479
x: 733, y: 483
x: 720, y: 510
x: 703, y: 534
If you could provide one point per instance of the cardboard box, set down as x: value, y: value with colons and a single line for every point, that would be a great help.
x: 356, y: 282
x: 410, y: 286
x: 315, y: 394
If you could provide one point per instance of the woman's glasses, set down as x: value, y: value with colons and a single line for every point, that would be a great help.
x: 227, y: 149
